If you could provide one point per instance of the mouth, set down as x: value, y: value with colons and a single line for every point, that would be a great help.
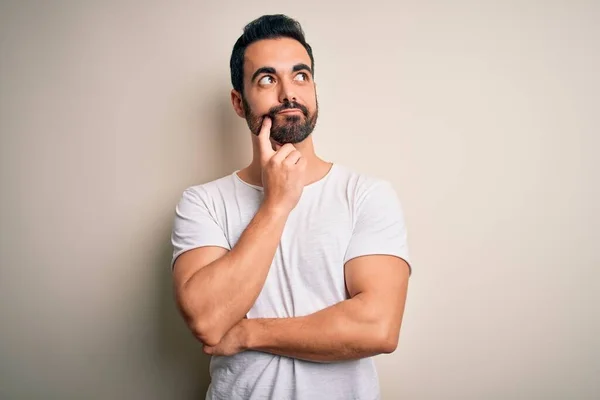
x: 290, y: 111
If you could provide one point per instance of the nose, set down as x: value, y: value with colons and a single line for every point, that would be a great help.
x: 286, y: 92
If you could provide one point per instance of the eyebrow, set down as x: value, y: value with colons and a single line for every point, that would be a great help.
x: 271, y: 70
x: 302, y: 67
x: 263, y: 70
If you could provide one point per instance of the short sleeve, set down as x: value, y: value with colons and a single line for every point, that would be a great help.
x: 379, y: 225
x: 194, y: 226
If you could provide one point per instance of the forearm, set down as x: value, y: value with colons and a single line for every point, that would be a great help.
x: 217, y: 296
x: 345, y: 331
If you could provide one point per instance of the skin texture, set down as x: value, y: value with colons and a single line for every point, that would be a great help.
x: 215, y: 288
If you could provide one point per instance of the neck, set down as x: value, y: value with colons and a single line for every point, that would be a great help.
x: 317, y: 168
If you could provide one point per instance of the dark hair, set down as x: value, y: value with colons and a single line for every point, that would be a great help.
x: 265, y: 27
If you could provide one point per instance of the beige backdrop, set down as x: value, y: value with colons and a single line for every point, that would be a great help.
x: 484, y: 115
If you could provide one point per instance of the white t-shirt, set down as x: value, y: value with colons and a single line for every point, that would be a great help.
x: 342, y: 216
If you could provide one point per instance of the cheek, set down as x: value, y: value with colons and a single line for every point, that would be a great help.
x: 310, y: 99
x: 261, y: 105
x: 312, y: 105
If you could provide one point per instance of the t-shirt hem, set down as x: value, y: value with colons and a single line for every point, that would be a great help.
x: 180, y: 252
x: 402, y: 256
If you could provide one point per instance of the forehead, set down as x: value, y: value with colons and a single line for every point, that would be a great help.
x: 281, y: 54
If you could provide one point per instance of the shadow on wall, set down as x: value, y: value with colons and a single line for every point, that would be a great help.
x: 181, y: 351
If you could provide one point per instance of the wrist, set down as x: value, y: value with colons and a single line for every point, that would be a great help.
x: 275, y: 210
x: 245, y: 334
x: 252, y: 332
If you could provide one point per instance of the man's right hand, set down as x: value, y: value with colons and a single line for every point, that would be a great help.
x: 283, y: 171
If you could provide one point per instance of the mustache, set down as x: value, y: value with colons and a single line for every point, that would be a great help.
x: 287, y: 106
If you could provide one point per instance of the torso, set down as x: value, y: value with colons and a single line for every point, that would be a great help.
x: 307, y: 275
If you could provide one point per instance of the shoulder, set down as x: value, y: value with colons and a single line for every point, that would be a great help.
x: 209, y: 194
x: 360, y: 184
x: 211, y: 189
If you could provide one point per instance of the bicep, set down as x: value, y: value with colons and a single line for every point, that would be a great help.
x: 381, y: 280
x: 191, y: 261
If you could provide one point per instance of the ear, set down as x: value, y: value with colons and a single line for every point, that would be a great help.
x: 236, y: 101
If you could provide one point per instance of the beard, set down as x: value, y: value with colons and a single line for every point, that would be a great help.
x: 284, y: 128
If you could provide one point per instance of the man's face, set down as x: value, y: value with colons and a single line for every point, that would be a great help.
x: 278, y: 83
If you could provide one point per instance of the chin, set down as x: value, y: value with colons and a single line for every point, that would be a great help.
x: 290, y: 137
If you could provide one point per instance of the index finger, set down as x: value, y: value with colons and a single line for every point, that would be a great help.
x: 266, y: 150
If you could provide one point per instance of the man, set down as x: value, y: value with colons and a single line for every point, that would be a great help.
x: 293, y: 271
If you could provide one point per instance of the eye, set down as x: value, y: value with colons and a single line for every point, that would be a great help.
x: 266, y: 80
x: 302, y: 75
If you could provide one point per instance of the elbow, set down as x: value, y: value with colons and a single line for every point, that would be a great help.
x: 388, y: 345
x: 387, y: 339
x: 206, y: 332
x: 202, y: 326
x: 201, y: 323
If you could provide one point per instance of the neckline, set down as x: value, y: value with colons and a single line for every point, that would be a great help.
x: 310, y: 185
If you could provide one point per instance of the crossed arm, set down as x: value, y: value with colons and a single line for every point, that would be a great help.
x: 366, y: 324
x: 215, y: 288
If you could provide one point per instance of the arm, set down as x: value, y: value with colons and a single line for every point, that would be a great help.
x: 365, y: 325
x: 215, y: 288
